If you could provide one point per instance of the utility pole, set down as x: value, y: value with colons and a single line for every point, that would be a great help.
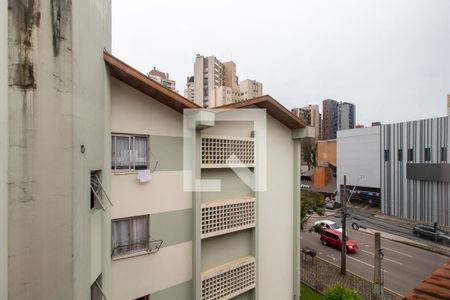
x: 344, y: 227
x: 377, y: 276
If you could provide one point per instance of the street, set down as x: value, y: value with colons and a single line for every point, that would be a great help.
x: 404, y: 266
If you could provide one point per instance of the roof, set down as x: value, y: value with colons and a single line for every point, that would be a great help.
x: 141, y: 82
x: 273, y: 107
x: 434, y: 287
x: 332, y: 231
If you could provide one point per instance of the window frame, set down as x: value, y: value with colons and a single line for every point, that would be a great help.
x: 410, y: 154
x: 427, y: 154
x: 131, y: 150
x: 132, y: 249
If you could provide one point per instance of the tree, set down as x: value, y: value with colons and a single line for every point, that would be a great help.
x: 339, y: 292
x: 311, y: 155
x: 310, y: 203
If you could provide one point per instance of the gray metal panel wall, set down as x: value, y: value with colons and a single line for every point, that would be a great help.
x: 422, y: 200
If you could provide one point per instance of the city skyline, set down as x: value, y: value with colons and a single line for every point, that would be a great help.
x: 394, y: 54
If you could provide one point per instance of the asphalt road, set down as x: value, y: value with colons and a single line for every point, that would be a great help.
x: 404, y: 266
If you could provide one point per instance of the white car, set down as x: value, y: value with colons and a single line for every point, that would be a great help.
x: 329, y: 225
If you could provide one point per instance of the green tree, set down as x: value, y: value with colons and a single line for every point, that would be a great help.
x: 339, y: 292
x: 309, y: 204
x: 310, y: 152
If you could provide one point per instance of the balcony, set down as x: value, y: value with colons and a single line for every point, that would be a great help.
x: 229, y: 280
x: 227, y: 152
x: 225, y: 216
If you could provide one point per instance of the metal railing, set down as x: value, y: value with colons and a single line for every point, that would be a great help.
x: 149, y: 247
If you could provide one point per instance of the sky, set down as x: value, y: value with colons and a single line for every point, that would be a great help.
x: 390, y: 58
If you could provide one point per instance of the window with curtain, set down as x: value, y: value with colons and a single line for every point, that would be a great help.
x: 129, y: 235
x: 129, y: 152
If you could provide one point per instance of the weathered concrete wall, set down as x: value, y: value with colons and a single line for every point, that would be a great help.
x: 58, y: 100
x: 3, y: 150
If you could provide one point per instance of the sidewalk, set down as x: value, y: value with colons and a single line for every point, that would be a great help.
x: 436, y: 248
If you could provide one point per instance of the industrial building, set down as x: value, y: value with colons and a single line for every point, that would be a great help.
x: 415, y: 170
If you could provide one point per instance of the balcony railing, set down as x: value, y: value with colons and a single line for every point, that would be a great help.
x: 229, y: 280
x: 224, y: 152
x: 225, y: 216
x: 147, y: 247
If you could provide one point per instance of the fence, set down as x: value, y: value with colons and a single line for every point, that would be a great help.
x: 320, y: 274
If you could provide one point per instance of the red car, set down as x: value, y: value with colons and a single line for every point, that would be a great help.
x: 334, y: 238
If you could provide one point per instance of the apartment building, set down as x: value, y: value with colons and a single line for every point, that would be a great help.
x: 189, y: 91
x: 215, y: 84
x: 219, y: 242
x: 311, y: 115
x: 336, y: 116
x: 209, y: 74
x: 448, y: 105
x: 415, y: 173
x: 54, y: 125
x: 249, y: 89
x: 329, y: 119
x: 346, y: 116
x: 162, y: 78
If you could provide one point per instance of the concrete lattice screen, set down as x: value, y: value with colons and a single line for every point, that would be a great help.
x: 229, y: 280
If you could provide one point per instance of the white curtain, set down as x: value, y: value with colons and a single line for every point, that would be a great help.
x: 139, y: 232
x: 120, y: 236
x: 141, y: 152
x: 122, y: 152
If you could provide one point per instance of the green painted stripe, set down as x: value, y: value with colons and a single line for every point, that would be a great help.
x: 182, y: 291
x: 167, y: 151
x: 173, y: 227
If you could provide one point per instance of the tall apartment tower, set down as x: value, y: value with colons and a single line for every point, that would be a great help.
x: 54, y: 126
x: 310, y: 114
x: 189, y: 90
x: 162, y: 78
x: 448, y: 105
x: 249, y: 89
x: 346, y: 116
x: 329, y: 119
x: 336, y: 116
x: 215, y: 83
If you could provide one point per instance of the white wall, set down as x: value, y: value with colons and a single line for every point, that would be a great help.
x: 358, y: 153
x: 275, y: 217
x: 147, y: 274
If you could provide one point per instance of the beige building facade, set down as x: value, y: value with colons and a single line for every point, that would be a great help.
x: 162, y: 78
x: 311, y: 115
x: 189, y: 225
x: 249, y: 89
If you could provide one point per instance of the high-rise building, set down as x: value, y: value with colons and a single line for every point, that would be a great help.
x: 329, y: 119
x: 310, y: 114
x: 448, y: 105
x: 215, y: 83
x: 346, y: 116
x: 336, y: 116
x: 249, y: 89
x: 162, y: 78
x: 210, y: 73
x: 189, y: 91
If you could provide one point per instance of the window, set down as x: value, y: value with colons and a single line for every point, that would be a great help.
x: 400, y: 155
x: 97, y: 192
x: 410, y: 154
x: 443, y: 153
x: 427, y: 154
x: 129, y: 152
x: 130, y: 235
x: 386, y: 155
